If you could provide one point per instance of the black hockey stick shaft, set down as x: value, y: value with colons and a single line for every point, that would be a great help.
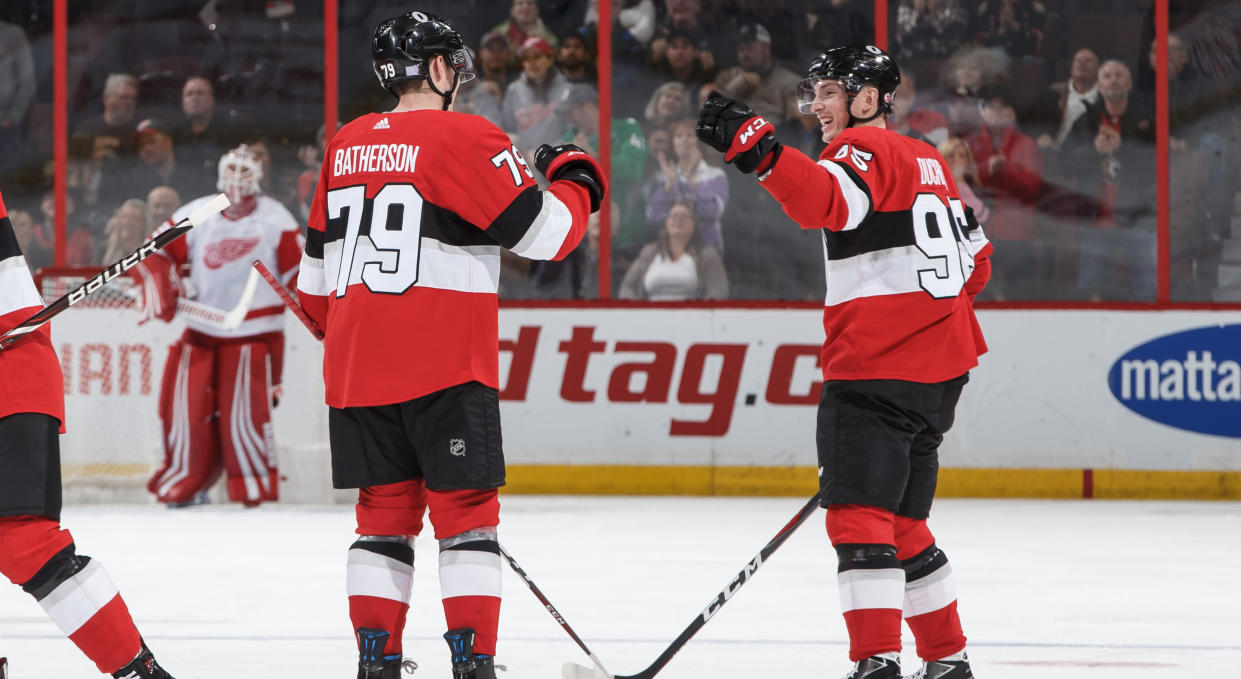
x: 96, y: 282
x: 727, y: 593
x: 538, y: 593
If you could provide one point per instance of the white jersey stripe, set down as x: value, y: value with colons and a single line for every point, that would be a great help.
x: 17, y: 289
x: 78, y: 599
x: 931, y: 593
x: 871, y: 588
x: 856, y: 199
x: 467, y: 572
x: 371, y: 574
x: 547, y: 232
x: 469, y: 268
x: 311, y: 280
x: 884, y: 272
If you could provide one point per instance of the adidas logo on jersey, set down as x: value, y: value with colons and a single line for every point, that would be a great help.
x: 381, y: 125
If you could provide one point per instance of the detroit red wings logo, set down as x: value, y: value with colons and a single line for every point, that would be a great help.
x: 224, y: 251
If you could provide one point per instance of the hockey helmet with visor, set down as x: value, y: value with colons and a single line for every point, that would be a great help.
x: 854, y: 67
x: 404, y: 46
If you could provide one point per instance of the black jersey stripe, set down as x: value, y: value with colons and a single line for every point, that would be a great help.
x: 314, y: 243
x: 880, y: 231
x: 9, y: 246
x: 510, y: 226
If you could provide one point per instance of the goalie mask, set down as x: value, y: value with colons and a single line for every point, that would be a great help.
x: 854, y: 68
x: 240, y: 174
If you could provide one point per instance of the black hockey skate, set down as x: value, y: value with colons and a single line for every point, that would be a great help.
x: 142, y: 667
x: 945, y: 669
x: 372, y: 663
x: 465, y: 663
x: 875, y: 667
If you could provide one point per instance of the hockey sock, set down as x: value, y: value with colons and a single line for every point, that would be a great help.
x: 379, y: 581
x: 931, y: 605
x: 470, y: 577
x: 869, y: 576
x: 81, y: 599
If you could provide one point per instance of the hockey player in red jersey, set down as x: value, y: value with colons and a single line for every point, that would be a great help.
x: 36, y: 554
x: 220, y: 383
x: 401, y: 271
x: 905, y: 259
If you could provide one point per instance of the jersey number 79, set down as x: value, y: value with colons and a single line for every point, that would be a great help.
x: 380, y: 238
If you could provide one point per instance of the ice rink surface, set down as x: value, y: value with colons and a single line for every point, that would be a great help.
x: 1066, y: 589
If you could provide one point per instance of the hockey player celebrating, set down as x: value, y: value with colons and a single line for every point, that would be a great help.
x: 220, y: 383
x: 401, y: 270
x: 904, y: 260
x: 36, y: 554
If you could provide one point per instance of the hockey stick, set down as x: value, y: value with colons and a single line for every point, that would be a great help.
x: 575, y: 671
x: 601, y: 672
x: 287, y: 298
x: 227, y: 319
x: 117, y: 268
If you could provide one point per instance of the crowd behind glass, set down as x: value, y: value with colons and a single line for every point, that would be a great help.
x: 1044, y: 111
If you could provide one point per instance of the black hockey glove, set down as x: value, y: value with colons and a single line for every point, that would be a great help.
x: 734, y: 129
x: 571, y: 163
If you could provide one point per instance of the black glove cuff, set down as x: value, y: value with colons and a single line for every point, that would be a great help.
x: 580, y: 174
x: 750, y: 161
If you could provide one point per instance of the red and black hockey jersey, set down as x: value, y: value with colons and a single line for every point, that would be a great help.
x: 30, y: 379
x: 905, y: 257
x: 402, y: 260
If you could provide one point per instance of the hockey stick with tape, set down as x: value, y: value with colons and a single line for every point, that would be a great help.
x: 575, y: 671
x: 226, y: 319
x: 598, y: 670
x: 94, y: 283
x: 287, y: 298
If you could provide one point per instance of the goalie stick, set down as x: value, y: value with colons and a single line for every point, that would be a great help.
x: 287, y: 298
x: 94, y: 283
x: 575, y: 671
x: 228, y: 319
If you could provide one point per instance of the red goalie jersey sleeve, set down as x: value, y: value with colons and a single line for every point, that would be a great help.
x: 30, y: 379
x: 904, y: 256
x: 402, y: 261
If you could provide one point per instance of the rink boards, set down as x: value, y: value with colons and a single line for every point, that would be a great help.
x: 722, y: 401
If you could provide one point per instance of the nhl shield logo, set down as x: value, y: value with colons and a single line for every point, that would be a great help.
x: 457, y: 447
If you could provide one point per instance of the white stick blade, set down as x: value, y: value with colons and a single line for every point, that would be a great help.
x: 238, y: 313
x: 575, y: 671
x: 212, y: 208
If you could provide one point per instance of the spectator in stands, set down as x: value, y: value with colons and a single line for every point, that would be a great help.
x: 1066, y: 102
x: 17, y: 89
x: 581, y: 111
x: 1010, y: 173
x: 124, y: 232
x: 523, y: 23
x: 1016, y: 26
x: 79, y: 244
x: 930, y: 29
x: 162, y: 201
x: 157, y: 166
x: 683, y: 62
x: 669, y: 102
x: 770, y: 89
x: 120, y: 102
x: 576, y: 58
x: 960, y: 160
x: 831, y: 23
x: 677, y: 266
x: 923, y: 124
x: 686, y: 175
x: 637, y: 17
x: 89, y: 160
x: 687, y: 15
x: 965, y: 74
x: 530, y: 100
x: 1109, y: 157
x: 38, y: 255
x: 201, y: 136
x: 496, y: 61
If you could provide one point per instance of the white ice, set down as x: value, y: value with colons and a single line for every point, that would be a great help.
x: 1065, y: 589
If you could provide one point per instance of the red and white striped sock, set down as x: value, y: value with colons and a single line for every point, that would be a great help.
x: 470, y: 579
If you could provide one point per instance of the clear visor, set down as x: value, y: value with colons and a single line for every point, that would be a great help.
x: 809, y: 91
x: 463, y: 63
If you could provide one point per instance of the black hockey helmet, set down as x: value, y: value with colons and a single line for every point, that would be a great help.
x: 404, y: 46
x: 854, y: 67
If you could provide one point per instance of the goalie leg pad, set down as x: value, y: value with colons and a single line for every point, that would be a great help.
x: 243, y: 382
x: 470, y: 584
x: 187, y: 410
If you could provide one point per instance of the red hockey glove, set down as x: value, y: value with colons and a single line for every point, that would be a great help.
x: 571, y: 163
x: 745, y: 138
